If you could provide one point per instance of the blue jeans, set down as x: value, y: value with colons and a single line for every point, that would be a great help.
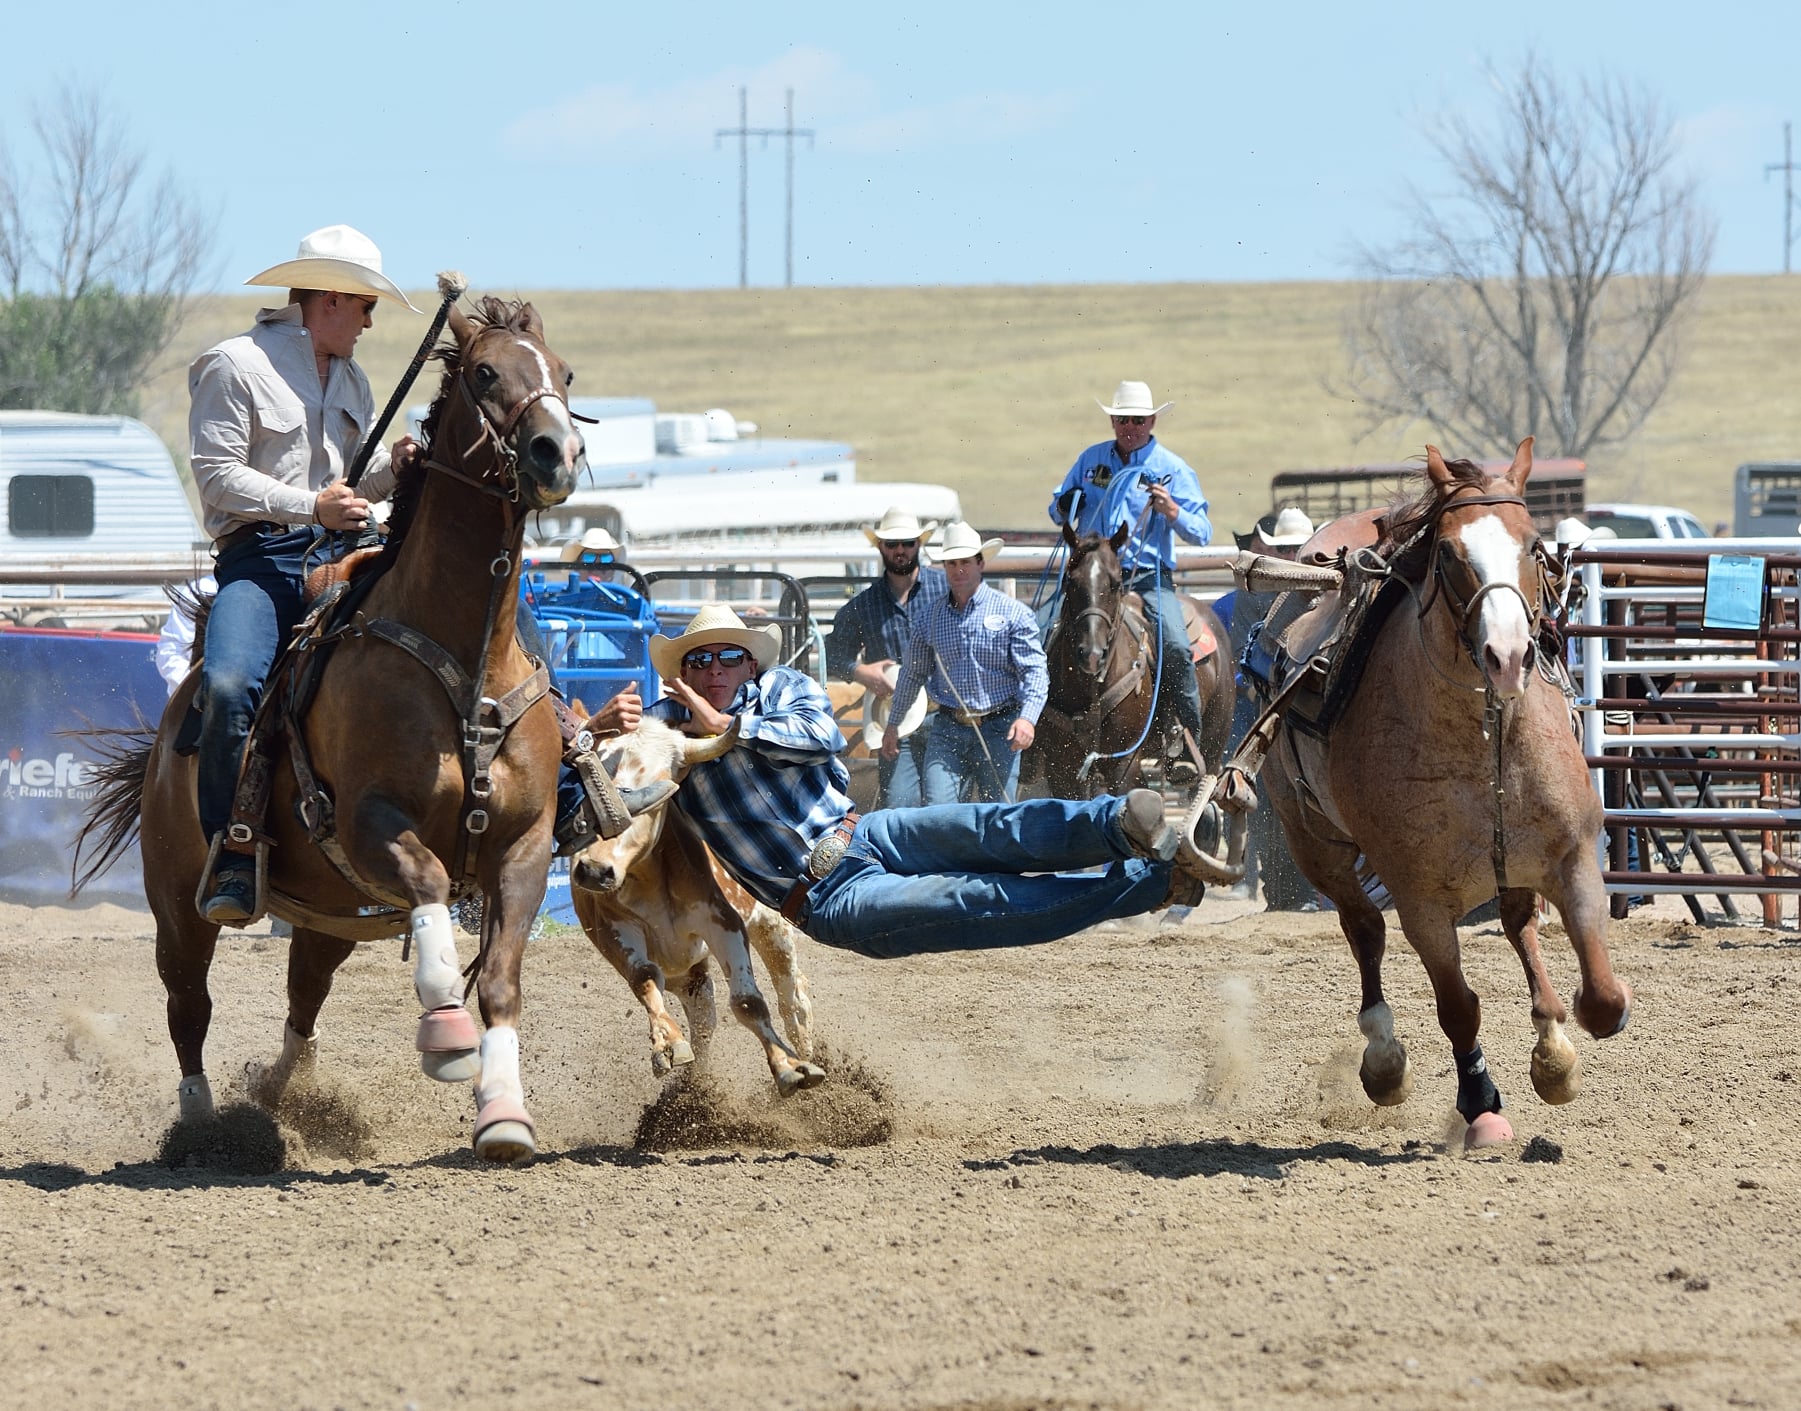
x: 258, y: 604
x: 1177, y: 687
x: 900, y: 782
x: 940, y: 879
x: 954, y: 755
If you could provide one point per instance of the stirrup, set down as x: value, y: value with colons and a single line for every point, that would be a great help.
x: 204, y: 892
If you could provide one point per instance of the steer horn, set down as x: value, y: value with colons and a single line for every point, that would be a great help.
x: 700, y: 751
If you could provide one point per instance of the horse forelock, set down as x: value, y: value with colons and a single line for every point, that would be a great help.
x: 1410, y: 514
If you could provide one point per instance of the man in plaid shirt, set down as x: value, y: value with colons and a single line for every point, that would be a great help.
x: 979, y: 655
x: 776, y: 811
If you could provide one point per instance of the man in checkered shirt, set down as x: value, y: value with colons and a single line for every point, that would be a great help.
x: 978, y: 654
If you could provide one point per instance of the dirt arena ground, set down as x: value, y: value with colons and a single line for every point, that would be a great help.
x: 1133, y: 1169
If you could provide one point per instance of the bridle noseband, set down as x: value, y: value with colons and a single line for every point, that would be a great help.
x: 501, y: 478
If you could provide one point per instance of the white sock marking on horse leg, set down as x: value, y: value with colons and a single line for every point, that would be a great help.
x: 500, y: 1067
x: 298, y: 1054
x: 437, y: 974
x: 195, y: 1096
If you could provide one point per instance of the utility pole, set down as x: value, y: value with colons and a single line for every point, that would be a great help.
x: 744, y: 132
x: 1787, y: 168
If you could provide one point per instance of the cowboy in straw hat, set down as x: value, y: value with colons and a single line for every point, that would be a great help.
x: 978, y: 654
x: 1267, y: 858
x: 869, y: 634
x: 775, y: 808
x: 1132, y: 480
x: 278, y: 414
x: 1287, y: 529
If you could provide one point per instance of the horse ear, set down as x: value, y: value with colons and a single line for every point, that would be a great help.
x: 1522, y: 465
x: 1436, y: 467
x: 1120, y: 535
x: 1069, y: 534
x: 460, y: 327
x: 529, y: 322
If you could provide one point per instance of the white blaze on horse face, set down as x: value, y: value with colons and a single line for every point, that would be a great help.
x: 1502, y: 635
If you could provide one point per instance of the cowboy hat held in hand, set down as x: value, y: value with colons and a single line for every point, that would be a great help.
x: 713, y: 624
x: 898, y: 524
x: 337, y: 259
x: 877, y: 711
x: 1133, y: 399
x: 961, y: 542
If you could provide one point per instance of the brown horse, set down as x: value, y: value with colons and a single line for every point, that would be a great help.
x: 1454, y: 771
x: 432, y: 747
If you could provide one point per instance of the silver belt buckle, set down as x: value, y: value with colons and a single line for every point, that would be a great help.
x: 826, y: 855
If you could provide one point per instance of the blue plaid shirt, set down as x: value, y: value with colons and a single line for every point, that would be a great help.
x: 989, y: 646
x: 762, y: 805
x: 1113, y: 495
x: 873, y: 627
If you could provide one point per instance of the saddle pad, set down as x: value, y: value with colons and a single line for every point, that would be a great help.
x: 1200, y: 636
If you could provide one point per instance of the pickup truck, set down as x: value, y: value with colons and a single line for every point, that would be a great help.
x: 1645, y: 521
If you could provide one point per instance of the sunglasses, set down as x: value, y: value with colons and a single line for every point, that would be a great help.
x: 1131, y: 420
x: 900, y: 543
x: 702, y: 657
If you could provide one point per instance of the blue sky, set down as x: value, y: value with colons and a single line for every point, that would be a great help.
x: 552, y: 145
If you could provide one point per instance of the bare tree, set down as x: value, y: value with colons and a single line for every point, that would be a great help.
x: 98, y: 262
x: 1547, y: 293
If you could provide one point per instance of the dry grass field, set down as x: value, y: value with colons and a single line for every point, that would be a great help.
x: 989, y: 389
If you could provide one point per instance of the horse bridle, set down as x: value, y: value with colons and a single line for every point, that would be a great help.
x: 505, y: 464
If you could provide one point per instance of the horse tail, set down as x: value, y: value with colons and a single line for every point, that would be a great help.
x: 111, y: 820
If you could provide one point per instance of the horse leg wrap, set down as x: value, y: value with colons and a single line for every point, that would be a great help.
x: 1476, y: 1090
x: 437, y: 975
x: 195, y: 1096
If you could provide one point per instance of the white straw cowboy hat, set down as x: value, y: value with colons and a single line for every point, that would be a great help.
x: 1285, y: 530
x: 962, y: 542
x: 898, y: 524
x: 595, y: 541
x: 337, y: 259
x: 1133, y: 399
x: 715, y: 623
x: 877, y: 711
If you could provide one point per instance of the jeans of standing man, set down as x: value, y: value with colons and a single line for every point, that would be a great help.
x: 955, y: 756
x: 1178, y: 685
x: 260, y: 600
x: 900, y: 782
x: 940, y: 879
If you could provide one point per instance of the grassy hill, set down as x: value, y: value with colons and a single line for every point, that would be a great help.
x: 990, y: 390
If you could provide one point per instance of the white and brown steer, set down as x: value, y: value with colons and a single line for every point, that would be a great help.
x: 656, y: 903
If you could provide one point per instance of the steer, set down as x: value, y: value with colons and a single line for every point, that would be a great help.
x: 655, y: 902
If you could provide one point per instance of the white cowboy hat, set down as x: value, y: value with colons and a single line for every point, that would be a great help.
x: 1292, y: 528
x: 878, y: 709
x: 714, y: 623
x: 961, y: 542
x: 595, y: 541
x: 337, y: 259
x: 898, y: 524
x: 1133, y: 399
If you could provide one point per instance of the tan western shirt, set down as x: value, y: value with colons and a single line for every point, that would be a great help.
x: 265, y: 436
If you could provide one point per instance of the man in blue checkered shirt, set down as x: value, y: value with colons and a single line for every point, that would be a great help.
x: 776, y: 811
x: 869, y: 636
x: 978, y: 653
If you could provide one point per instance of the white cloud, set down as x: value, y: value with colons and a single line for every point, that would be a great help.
x: 612, y: 121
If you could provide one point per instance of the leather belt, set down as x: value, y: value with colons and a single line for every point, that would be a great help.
x: 973, y: 718
x: 245, y: 532
x: 826, y: 854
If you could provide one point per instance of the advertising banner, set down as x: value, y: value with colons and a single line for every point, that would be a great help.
x: 51, y: 682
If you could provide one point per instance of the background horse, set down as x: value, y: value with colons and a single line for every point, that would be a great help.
x: 429, y: 665
x: 1102, y: 660
x: 1454, y: 770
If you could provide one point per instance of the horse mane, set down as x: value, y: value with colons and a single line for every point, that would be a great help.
x: 490, y: 312
x: 1408, y: 516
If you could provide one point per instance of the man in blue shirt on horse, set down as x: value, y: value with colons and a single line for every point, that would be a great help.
x: 1134, y: 480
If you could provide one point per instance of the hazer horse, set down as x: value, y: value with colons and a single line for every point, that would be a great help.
x: 657, y: 905
x: 429, y: 750
x: 1108, y: 709
x: 1451, y: 766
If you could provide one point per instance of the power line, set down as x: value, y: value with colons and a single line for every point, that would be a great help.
x: 1787, y: 168
x: 744, y: 132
